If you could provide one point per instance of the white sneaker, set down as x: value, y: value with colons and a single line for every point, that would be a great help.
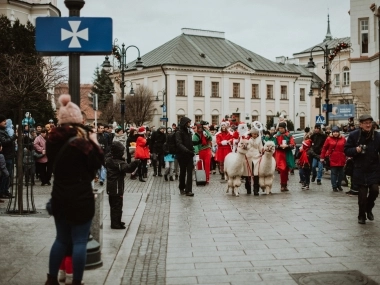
x: 61, y: 275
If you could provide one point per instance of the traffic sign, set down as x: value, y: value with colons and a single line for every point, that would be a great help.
x: 320, y: 120
x: 61, y: 36
x: 164, y: 108
x: 163, y: 119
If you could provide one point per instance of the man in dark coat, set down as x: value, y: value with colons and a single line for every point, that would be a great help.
x: 318, y: 138
x: 363, y: 145
x: 185, y: 154
x: 116, y: 170
x: 8, y: 143
x: 156, y: 147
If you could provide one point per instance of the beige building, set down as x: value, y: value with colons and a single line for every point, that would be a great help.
x: 340, y: 78
x: 365, y: 55
x: 29, y: 10
x: 207, y: 77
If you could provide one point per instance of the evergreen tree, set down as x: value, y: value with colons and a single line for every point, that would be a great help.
x: 102, y: 87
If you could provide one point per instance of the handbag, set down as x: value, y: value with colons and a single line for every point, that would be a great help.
x: 49, y: 207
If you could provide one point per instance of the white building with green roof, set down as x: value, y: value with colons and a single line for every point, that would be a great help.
x: 208, y: 77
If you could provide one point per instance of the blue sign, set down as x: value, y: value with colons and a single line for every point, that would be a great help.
x: 163, y: 119
x: 61, y: 36
x: 164, y: 108
x: 320, y: 120
x: 341, y: 111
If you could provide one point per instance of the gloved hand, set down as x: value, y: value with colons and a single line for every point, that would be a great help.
x: 224, y: 142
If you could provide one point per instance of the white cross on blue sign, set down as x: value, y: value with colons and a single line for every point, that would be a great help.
x: 60, y: 36
x: 320, y: 120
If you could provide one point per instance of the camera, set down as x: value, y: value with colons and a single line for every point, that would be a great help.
x: 203, y: 123
x: 363, y: 147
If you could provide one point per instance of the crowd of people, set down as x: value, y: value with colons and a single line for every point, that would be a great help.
x: 79, y: 155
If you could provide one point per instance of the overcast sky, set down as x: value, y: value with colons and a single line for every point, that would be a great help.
x: 269, y: 28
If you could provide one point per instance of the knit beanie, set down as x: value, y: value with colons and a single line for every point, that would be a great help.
x: 282, y: 125
x: 68, y: 111
x: 2, y: 118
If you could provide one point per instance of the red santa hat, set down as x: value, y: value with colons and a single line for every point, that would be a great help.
x: 141, y: 130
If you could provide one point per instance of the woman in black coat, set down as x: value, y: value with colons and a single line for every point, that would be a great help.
x: 76, y: 156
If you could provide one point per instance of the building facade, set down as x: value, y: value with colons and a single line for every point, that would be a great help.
x: 29, y: 10
x: 340, y: 92
x: 205, y: 77
x: 364, y: 23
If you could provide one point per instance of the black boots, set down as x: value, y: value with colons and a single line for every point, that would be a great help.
x: 141, y: 179
x: 256, y: 185
x: 284, y: 188
x: 248, y: 184
x: 222, y: 176
x: 116, y: 222
x: 51, y: 280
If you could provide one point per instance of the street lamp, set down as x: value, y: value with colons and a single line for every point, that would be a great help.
x: 163, y: 106
x: 121, y: 55
x: 328, y: 56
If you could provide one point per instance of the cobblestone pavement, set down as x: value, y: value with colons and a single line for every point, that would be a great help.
x: 211, y: 238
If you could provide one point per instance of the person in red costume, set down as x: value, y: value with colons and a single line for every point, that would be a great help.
x: 284, y: 155
x: 223, y: 140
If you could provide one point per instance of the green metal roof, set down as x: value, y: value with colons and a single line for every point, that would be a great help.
x: 330, y: 44
x: 187, y: 50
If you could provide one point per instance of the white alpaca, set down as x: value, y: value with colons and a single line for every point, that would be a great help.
x: 234, y: 166
x: 267, y: 166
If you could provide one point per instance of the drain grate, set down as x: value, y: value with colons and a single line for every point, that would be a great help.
x: 352, y: 277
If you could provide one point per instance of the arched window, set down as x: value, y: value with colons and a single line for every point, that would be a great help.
x: 346, y: 76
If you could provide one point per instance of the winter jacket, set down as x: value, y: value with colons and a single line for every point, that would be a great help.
x: 334, y: 147
x: 366, y: 166
x: 75, y: 168
x: 3, y: 167
x: 318, y: 140
x: 184, y: 141
x: 120, y: 138
x: 8, y: 144
x: 142, y: 148
x: 170, y: 145
x: 284, y: 156
x: 103, y: 140
x: 157, y: 142
x: 223, y: 150
x: 201, y: 141
x: 305, y: 160
x: 117, y: 168
x: 40, y: 145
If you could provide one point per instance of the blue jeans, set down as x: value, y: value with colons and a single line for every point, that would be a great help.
x: 67, y: 235
x: 4, y: 181
x: 336, y: 176
x: 102, y: 172
x: 317, y: 163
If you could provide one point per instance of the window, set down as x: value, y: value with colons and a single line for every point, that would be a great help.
x: 302, y: 122
x: 179, y: 118
x: 284, y: 92
x: 214, y: 89
x: 364, y: 35
x: 198, y: 89
x: 255, y: 91
x: 255, y: 118
x: 317, y: 102
x: 270, y: 120
x: 337, y: 80
x: 180, y: 87
x: 346, y: 76
x: 269, y: 91
x: 215, y: 119
x: 198, y: 118
x: 302, y: 94
x: 236, y: 90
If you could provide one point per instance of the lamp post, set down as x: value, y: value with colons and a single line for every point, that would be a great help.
x: 121, y: 56
x: 163, y: 106
x: 328, y: 56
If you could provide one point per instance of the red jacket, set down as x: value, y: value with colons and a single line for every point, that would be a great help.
x: 334, y: 147
x: 142, y: 150
x: 223, y: 150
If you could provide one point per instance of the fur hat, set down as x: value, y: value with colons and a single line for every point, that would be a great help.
x: 282, y: 125
x: 141, y: 130
x: 68, y: 111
